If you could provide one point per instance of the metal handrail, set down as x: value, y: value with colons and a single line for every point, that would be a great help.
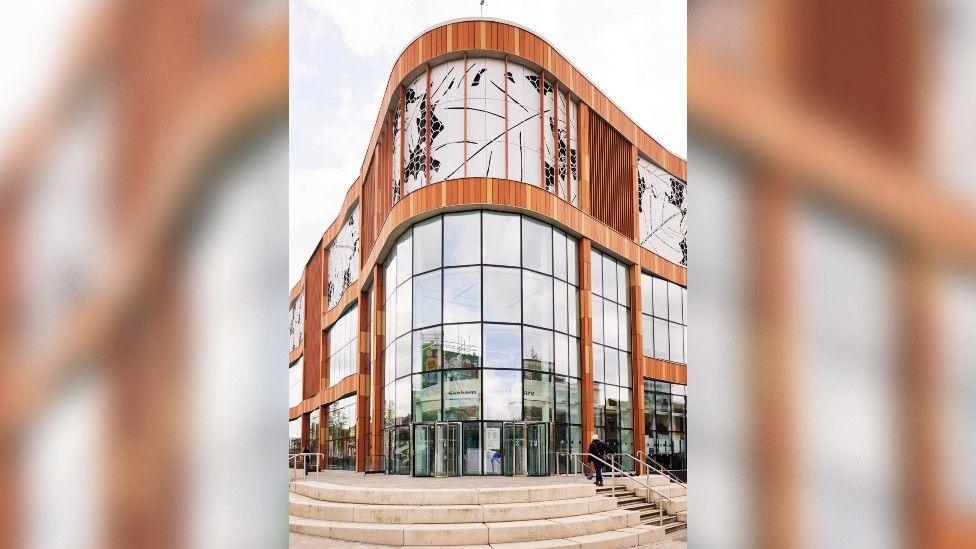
x: 650, y: 464
x: 318, y: 468
x: 613, y: 485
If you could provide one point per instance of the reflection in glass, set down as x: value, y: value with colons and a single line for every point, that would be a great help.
x: 611, y: 369
x: 561, y: 354
x: 403, y: 401
x: 462, y: 395
x: 537, y: 307
x: 503, y: 346
x: 404, y: 254
x: 597, y: 314
x: 427, y: 245
x: 609, y: 279
x: 404, y: 297
x: 462, y: 294
x: 462, y: 232
x: 503, y: 295
x: 537, y: 394
x: 559, y: 254
x: 560, y: 306
x: 502, y: 394
x: 427, y: 299
x: 598, y: 363
x: 596, y: 272
x: 502, y: 243
x: 536, y: 246
x: 427, y: 349
x: 537, y: 351
x: 661, y: 339
x: 462, y: 346
x: 402, y: 350
x: 427, y: 397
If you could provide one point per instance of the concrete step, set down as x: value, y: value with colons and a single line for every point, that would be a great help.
x: 302, y: 506
x: 468, y: 533
x: 683, y: 516
x: 440, y: 496
x: 670, y: 490
x: 668, y: 528
x: 675, y: 505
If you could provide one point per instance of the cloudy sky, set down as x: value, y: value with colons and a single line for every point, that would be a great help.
x: 342, y: 53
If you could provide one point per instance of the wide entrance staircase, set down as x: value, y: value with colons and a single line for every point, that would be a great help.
x: 664, y: 504
x: 549, y: 515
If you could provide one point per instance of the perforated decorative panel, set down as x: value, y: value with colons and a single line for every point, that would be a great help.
x: 662, y: 200
x: 344, y: 257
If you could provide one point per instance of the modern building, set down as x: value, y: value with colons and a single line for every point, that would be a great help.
x: 506, y: 276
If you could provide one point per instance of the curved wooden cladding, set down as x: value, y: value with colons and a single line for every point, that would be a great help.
x: 505, y: 38
x: 637, y: 342
x: 312, y: 336
x: 665, y: 371
x: 297, y: 353
x: 612, y: 172
x: 367, y: 226
x: 352, y: 383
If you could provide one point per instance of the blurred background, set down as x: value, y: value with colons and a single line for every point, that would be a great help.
x: 144, y: 273
x: 832, y: 273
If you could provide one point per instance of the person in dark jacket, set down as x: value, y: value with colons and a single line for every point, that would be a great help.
x: 598, y: 449
x: 308, y: 459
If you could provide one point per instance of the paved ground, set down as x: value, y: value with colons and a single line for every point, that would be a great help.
x: 406, y: 481
x: 676, y: 540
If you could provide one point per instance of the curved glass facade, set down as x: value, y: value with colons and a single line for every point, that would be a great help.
x: 481, y: 329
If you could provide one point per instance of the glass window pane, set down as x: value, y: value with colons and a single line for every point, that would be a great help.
x: 674, y: 303
x: 610, y: 323
x: 536, y: 246
x: 562, y: 403
x: 493, y: 448
x: 537, y: 396
x: 561, y: 354
x: 677, y: 336
x: 502, y: 242
x: 623, y: 327
x: 647, y: 335
x: 572, y: 311
x: 574, y: 401
x: 427, y: 245
x: 471, y: 449
x: 462, y: 346
x: 462, y: 395
x: 402, y: 348
x: 625, y: 373
x: 503, y: 295
x: 389, y: 364
x: 678, y: 413
x: 612, y: 395
x: 660, y: 298
x: 572, y: 264
x: 462, y: 294
x: 574, y: 363
x: 427, y: 349
x: 389, y: 409
x: 611, y: 367
x: 390, y: 273
x: 646, y: 293
x: 661, y: 339
x: 598, y: 365
x: 427, y: 397
x: 596, y: 272
x: 623, y: 291
x: 404, y: 258
x: 403, y: 401
x: 537, y: 304
x: 599, y: 406
x: 502, y: 394
x: 462, y: 236
x: 537, y: 351
x: 560, y: 306
x: 684, y: 305
x: 559, y: 254
x: 597, y: 319
x: 427, y: 299
x: 404, y: 305
x: 391, y: 317
x: 609, y: 278
x: 503, y: 346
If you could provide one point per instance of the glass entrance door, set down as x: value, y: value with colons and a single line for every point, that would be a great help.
x: 423, y: 449
x: 537, y: 449
x: 526, y: 449
x: 513, y: 458
x: 436, y: 449
x: 447, y: 452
